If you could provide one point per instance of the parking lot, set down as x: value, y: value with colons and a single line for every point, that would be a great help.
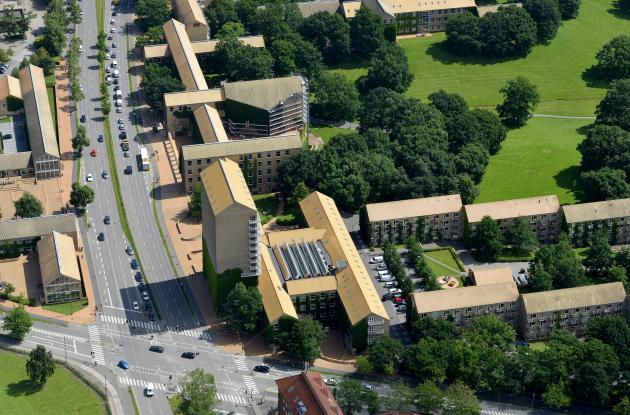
x: 16, y: 127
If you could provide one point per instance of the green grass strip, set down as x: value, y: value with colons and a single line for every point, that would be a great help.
x: 136, y: 411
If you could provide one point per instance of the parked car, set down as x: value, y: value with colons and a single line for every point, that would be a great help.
x: 122, y: 135
x: 138, y: 276
x: 262, y: 369
x: 376, y: 259
x: 134, y: 264
x: 152, y: 317
x: 83, y: 118
x: 148, y: 307
x: 89, y: 177
x: 129, y: 250
x: 330, y: 381
x: 387, y: 296
x: 105, y: 175
x: 128, y: 170
x: 156, y: 349
x: 135, y: 306
x: 126, y: 154
x: 390, y: 284
x: 123, y: 364
x: 142, y: 287
x: 8, y: 136
x: 386, y: 278
x: 188, y: 355
x: 367, y: 387
x: 381, y: 267
x: 402, y: 308
x: 399, y: 300
x: 145, y: 296
x: 118, y: 110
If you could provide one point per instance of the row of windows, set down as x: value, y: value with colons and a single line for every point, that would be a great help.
x: 313, y: 306
x: 313, y: 297
x: 180, y: 108
x: 250, y: 156
x: 575, y: 311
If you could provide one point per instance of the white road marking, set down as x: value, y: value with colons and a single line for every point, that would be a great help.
x: 95, y: 341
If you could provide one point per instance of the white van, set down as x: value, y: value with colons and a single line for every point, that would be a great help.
x: 116, y: 73
x: 114, y: 63
x: 376, y: 259
x: 119, y: 102
x: 118, y: 93
x: 386, y: 278
x: 149, y: 390
x: 381, y: 273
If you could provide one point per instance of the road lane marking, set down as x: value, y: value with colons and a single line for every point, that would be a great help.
x: 95, y: 341
x: 57, y: 334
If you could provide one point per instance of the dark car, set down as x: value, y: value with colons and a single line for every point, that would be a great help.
x: 262, y: 369
x: 188, y: 355
x: 148, y: 307
x: 123, y: 364
x: 8, y: 136
x: 387, y: 296
x: 101, y: 236
x: 128, y: 170
x: 152, y: 317
x: 156, y: 349
x: 122, y: 135
x: 138, y: 276
x: 134, y: 264
x: 100, y: 138
x: 107, y: 220
x: 142, y: 287
x: 83, y: 118
x: 107, y: 49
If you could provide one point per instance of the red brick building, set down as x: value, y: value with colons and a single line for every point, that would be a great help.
x: 305, y: 393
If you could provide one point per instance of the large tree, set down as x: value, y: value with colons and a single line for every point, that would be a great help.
x: 218, y: 13
x: 42, y: 58
x: 152, y: 12
x: 606, y: 146
x: 427, y: 360
x: 198, y: 394
x: 194, y: 205
x: 487, y: 242
x: 613, y: 59
x: 276, y: 19
x: 605, y: 184
x: 330, y: 33
x: 303, y: 340
x: 388, y: 68
x: 17, y: 322
x: 157, y: 81
x: 520, y: 237
x: 569, y: 9
x: 81, y: 195
x: 366, y: 32
x: 599, y: 256
x: 460, y: 400
x: 546, y: 14
x: 509, y: 32
x: 428, y: 327
x: 615, y: 332
x: 385, y: 353
x: 614, y: 109
x: 40, y: 364
x: 520, y: 98
x: 28, y: 206
x: 246, y: 63
x: 556, y: 266
x: 80, y: 140
x: 55, y: 21
x: 462, y: 34
x: 472, y: 160
x: 428, y: 397
x: 335, y: 98
x: 242, y: 308
x: 349, y: 396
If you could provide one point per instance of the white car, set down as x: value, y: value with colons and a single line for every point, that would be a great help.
x: 376, y: 259
x: 135, y: 306
x: 330, y: 382
x: 113, y: 30
x: 118, y: 110
x: 386, y: 278
x: 149, y: 390
x: 145, y: 296
x: 367, y: 387
x: 89, y: 177
x: 395, y: 291
x: 120, y: 120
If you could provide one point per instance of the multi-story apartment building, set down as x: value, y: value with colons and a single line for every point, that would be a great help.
x: 542, y: 213
x: 258, y: 158
x: 491, y: 275
x: 462, y: 305
x: 230, y: 220
x: 583, y: 219
x: 569, y: 309
x: 411, y: 17
x: 304, y: 394
x: 429, y: 218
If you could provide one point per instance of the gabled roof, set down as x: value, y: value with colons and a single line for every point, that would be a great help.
x: 309, y: 8
x: 57, y: 257
x: 607, y: 209
x: 185, y: 60
x: 306, y: 394
x: 412, y: 208
x: 311, y: 285
x: 457, y: 298
x: 264, y: 93
x: 28, y: 228
x: 407, y: 6
x: 9, y: 86
x: 15, y: 161
x: 39, y: 122
x: 505, y: 209
x: 355, y: 287
x: 276, y: 301
x: 205, y: 96
x: 492, y: 275
x: 189, y: 12
x: 567, y: 298
x: 349, y: 9
x: 225, y: 186
x: 249, y: 146
x: 201, y: 46
x: 210, y: 125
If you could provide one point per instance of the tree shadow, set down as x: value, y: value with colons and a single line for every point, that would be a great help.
x: 583, y: 130
x: 439, y: 53
x: 593, y: 78
x: 618, y: 11
x: 569, y: 179
x: 25, y: 387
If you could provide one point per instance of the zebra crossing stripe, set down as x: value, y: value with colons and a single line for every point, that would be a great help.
x: 198, y: 334
x: 231, y: 398
x: 487, y: 412
x: 141, y: 383
x: 95, y: 341
x: 54, y: 333
x: 250, y: 383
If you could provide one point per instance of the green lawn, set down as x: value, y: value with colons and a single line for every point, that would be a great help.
x: 63, y: 394
x: 53, y: 105
x: 538, y: 159
x: 67, y: 308
x: 326, y: 133
x: 267, y: 206
x: 444, y: 256
x: 555, y: 68
x: 540, y: 346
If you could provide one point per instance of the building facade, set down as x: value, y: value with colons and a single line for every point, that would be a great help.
x: 16, y: 164
x: 584, y: 219
x: 10, y: 96
x: 542, y: 213
x: 59, y: 268
x: 569, y: 309
x: 190, y: 14
x: 24, y: 233
x: 258, y: 159
x: 428, y: 219
x: 230, y: 219
x: 304, y: 394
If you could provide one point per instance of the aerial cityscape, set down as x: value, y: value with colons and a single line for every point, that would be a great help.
x: 255, y: 207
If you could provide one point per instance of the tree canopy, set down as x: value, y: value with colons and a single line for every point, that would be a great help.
x: 330, y: 33
x: 613, y: 59
x: 614, y: 109
x: 81, y: 195
x: 242, y: 308
x: 520, y: 99
x: 487, y: 241
x: 40, y: 364
x: 303, y: 340
x: 556, y: 266
x: 28, y: 206
x: 17, y: 322
x: 157, y: 81
x: 366, y: 32
x: 335, y: 98
x: 198, y: 394
x: 152, y: 12
x: 388, y: 68
x: 546, y: 14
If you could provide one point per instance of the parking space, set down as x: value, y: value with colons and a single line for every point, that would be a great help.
x: 15, y: 132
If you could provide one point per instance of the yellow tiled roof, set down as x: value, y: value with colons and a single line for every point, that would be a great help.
x: 412, y: 208
x: 456, y: 298
x: 276, y: 301
x: 189, y: 12
x: 576, y: 297
x: 350, y: 8
x: 295, y: 235
x: 225, y: 185
x: 607, y: 209
x: 185, y: 60
x: 311, y: 285
x: 514, y: 208
x: 492, y: 275
x: 406, y: 6
x: 209, y: 124
x: 9, y: 86
x: 202, y: 46
x: 248, y: 146
x: 57, y: 257
x: 205, y: 96
x: 356, y: 290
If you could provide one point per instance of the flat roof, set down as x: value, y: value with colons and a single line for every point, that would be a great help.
x: 412, y: 208
x: 209, y: 124
x: 204, y: 96
x: 28, y: 228
x: 201, y: 46
x: 407, y: 6
x: 39, y: 123
x: 225, y: 186
x: 607, y: 209
x: 234, y: 147
x: 263, y: 93
x: 567, y: 298
x: 309, y: 8
x: 57, y: 257
x: 354, y: 285
x: 473, y: 296
x: 514, y: 208
x: 15, y: 161
x: 185, y: 60
x: 492, y: 275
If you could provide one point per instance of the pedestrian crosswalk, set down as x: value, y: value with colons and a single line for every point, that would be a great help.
x: 57, y: 334
x: 95, y: 341
x: 239, y: 361
x: 147, y: 325
x: 487, y: 412
x: 232, y: 398
x: 250, y: 384
x: 198, y: 334
x: 141, y: 383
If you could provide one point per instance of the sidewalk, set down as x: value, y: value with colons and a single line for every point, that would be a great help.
x: 63, y: 101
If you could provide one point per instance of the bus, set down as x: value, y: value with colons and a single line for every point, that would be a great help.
x: 144, y: 158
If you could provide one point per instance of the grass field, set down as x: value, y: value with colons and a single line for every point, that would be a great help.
x: 62, y: 394
x: 555, y: 68
x: 444, y: 256
x: 538, y: 159
x: 267, y: 205
x: 67, y: 308
x: 326, y: 133
x: 53, y: 106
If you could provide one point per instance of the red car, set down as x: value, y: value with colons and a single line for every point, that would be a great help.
x: 93, y: 152
x: 399, y: 300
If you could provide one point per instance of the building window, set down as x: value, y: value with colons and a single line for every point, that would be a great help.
x: 269, y: 154
x: 312, y: 306
x: 198, y: 162
x: 302, y: 307
x: 277, y: 154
